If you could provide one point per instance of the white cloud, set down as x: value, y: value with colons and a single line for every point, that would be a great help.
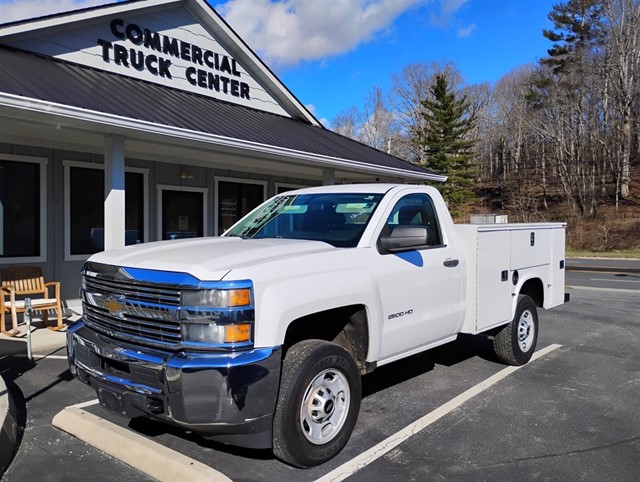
x: 12, y: 10
x: 466, y: 31
x: 312, y: 108
x: 289, y: 31
x: 448, y: 9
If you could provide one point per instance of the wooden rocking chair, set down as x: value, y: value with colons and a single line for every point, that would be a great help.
x: 22, y: 282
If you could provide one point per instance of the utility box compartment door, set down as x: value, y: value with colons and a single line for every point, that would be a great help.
x: 493, y: 279
x: 557, y: 269
x: 530, y: 247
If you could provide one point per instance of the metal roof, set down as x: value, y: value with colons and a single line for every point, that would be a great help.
x: 58, y: 82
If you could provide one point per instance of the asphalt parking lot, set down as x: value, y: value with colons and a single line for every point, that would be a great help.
x: 571, y: 414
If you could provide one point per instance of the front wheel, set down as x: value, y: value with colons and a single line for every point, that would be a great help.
x: 318, y: 403
x: 515, y: 343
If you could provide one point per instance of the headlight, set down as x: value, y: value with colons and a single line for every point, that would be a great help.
x: 216, y: 334
x: 221, y: 316
x: 216, y: 298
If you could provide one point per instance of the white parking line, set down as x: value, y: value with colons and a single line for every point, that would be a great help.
x: 86, y: 404
x: 374, y: 453
x: 51, y: 357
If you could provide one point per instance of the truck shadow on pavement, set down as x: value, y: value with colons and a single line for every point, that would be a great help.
x: 14, y: 362
x: 155, y: 429
x: 13, y: 359
x: 464, y: 348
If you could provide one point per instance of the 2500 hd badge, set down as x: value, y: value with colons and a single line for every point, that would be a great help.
x: 399, y: 314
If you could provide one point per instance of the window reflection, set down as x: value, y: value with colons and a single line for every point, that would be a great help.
x: 235, y: 199
x: 86, y: 194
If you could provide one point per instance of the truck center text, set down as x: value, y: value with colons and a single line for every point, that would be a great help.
x: 160, y: 66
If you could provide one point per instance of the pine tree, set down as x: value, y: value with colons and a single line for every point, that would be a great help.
x: 447, y: 142
x: 578, y: 33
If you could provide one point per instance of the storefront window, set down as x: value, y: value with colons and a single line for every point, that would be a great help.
x: 182, y: 214
x: 86, y: 209
x: 86, y: 191
x: 134, y: 208
x: 235, y: 199
x: 19, y: 209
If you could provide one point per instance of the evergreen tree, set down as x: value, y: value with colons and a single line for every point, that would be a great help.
x: 447, y: 142
x: 578, y: 34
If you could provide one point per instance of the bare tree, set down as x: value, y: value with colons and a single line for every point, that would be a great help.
x: 378, y: 125
x: 347, y: 123
x: 623, y: 43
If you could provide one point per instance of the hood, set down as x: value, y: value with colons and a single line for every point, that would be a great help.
x: 208, y: 259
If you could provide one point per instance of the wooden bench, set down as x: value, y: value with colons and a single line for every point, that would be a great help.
x: 20, y: 282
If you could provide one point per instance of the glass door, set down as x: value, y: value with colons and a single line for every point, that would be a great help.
x: 182, y: 214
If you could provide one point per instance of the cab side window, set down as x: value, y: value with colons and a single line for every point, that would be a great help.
x: 415, y: 210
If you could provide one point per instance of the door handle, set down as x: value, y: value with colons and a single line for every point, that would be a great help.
x: 451, y: 263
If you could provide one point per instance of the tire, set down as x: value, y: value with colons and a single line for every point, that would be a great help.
x: 515, y: 343
x: 318, y: 403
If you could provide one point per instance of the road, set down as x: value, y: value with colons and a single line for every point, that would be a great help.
x: 604, y: 273
x: 572, y: 414
x: 604, y: 264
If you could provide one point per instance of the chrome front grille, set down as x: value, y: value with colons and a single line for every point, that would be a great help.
x: 133, y: 328
x: 143, y: 313
x: 155, y: 294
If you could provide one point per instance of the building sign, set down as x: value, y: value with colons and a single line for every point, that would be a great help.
x: 144, y: 49
x: 168, y: 46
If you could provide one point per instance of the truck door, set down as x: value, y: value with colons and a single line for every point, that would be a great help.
x: 421, y: 290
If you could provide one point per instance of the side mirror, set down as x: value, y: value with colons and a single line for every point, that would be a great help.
x: 405, y: 238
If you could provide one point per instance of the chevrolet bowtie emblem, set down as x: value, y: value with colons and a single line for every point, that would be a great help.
x: 115, y: 305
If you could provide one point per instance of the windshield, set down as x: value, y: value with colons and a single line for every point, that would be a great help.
x: 335, y: 218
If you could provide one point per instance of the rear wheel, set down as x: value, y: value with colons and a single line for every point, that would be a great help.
x: 515, y: 343
x: 318, y: 403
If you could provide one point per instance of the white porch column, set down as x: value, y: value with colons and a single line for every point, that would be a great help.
x: 114, y: 192
x: 328, y: 177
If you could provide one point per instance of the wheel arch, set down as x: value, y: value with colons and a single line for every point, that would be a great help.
x: 534, y: 289
x: 346, y: 326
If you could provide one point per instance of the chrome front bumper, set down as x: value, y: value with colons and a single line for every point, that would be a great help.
x: 229, y: 397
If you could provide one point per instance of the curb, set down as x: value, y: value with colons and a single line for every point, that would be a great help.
x: 9, y: 428
x: 142, y: 454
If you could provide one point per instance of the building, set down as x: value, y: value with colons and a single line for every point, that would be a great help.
x: 148, y: 120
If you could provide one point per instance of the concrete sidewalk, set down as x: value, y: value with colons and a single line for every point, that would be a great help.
x: 43, y: 342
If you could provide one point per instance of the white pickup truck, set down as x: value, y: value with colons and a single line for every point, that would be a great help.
x: 259, y: 337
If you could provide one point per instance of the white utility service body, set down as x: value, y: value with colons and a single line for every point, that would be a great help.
x: 530, y: 250
x: 259, y: 337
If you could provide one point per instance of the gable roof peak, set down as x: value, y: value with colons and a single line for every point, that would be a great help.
x: 20, y: 33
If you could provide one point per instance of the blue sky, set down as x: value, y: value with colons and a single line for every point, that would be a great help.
x: 330, y: 53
